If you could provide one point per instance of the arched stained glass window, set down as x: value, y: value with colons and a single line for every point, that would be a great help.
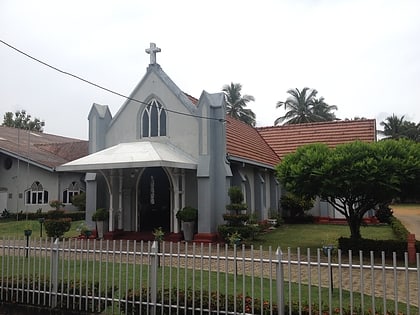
x: 153, y: 120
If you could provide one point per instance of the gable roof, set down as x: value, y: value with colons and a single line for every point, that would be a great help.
x: 43, y: 149
x: 157, y: 70
x: 287, y: 138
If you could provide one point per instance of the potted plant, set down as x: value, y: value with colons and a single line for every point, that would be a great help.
x: 84, y: 230
x: 99, y: 217
x: 158, y: 234
x: 188, y: 215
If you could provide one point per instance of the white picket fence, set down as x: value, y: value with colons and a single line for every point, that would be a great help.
x: 129, y: 277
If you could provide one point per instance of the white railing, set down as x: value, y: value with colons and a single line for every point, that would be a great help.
x: 180, y: 278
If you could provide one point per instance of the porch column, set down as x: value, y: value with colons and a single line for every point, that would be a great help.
x: 120, y: 199
x: 179, y: 196
x: 111, y: 202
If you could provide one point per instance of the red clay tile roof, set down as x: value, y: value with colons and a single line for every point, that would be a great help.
x: 45, y: 149
x: 268, y: 145
x: 286, y: 139
x: 244, y: 142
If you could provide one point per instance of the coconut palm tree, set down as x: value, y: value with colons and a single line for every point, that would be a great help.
x: 304, y: 107
x: 393, y: 127
x: 323, y: 111
x: 236, y: 103
x: 397, y: 127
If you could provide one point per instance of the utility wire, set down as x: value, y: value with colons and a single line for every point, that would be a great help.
x: 100, y: 86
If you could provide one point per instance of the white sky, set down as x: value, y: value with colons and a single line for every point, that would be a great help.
x: 363, y: 56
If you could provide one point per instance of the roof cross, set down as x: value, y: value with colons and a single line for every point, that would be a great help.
x: 152, y: 51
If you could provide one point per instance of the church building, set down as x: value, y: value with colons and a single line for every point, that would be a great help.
x: 164, y: 150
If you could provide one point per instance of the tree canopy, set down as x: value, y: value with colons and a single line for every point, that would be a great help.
x: 304, y: 107
x: 354, y: 177
x: 398, y: 127
x: 22, y: 120
x: 236, y: 103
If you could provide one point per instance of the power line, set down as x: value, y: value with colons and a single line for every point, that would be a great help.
x: 100, y: 86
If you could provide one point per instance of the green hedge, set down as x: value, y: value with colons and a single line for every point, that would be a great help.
x: 376, y: 246
x: 74, y: 215
x: 399, y: 229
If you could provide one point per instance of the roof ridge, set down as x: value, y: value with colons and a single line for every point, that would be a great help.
x: 330, y: 122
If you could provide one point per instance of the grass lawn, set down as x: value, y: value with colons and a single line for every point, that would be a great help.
x: 14, y: 229
x: 314, y: 236
x: 311, y: 236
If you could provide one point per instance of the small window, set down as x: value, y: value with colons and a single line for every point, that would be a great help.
x: 153, y: 120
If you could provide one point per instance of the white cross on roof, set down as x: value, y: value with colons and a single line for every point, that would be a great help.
x: 152, y: 51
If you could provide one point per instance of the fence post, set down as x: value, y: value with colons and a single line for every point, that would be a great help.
x: 411, y: 248
x: 280, y: 282
x: 154, y: 261
x: 54, y: 274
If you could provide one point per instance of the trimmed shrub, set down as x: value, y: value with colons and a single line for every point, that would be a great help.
x: 79, y: 201
x: 57, y: 228
x: 235, y: 219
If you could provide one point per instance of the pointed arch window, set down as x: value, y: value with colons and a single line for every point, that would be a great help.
x: 36, y: 194
x: 153, y: 120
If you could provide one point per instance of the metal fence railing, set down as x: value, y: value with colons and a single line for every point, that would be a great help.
x: 132, y: 277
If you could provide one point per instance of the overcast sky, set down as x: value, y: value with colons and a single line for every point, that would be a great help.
x: 363, y: 56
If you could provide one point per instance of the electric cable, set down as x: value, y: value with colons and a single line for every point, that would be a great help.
x: 100, y: 86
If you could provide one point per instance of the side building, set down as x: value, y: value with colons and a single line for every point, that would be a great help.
x: 28, y: 177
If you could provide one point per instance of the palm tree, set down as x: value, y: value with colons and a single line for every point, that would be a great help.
x: 236, y: 103
x: 303, y: 107
x: 397, y: 127
x: 393, y: 127
x: 323, y: 111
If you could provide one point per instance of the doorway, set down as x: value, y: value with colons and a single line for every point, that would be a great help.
x: 154, y: 200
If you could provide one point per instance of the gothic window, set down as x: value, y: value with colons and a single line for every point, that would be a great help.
x: 36, y: 194
x: 71, y: 191
x: 153, y: 120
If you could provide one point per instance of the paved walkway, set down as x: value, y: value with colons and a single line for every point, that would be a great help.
x: 409, y: 216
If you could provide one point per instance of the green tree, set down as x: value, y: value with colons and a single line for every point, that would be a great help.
x: 22, y: 120
x: 397, y: 127
x: 393, y: 127
x: 354, y: 177
x: 304, y: 107
x: 236, y: 103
